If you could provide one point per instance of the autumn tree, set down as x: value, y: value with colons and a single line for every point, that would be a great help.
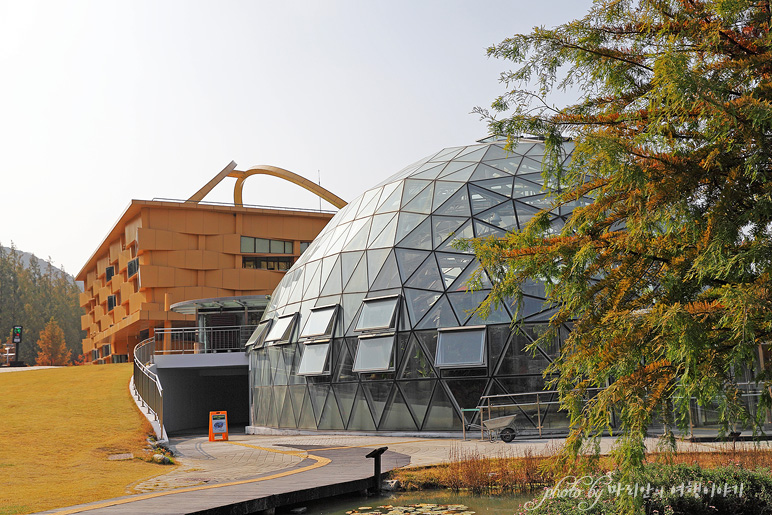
x: 53, y: 347
x: 665, y: 272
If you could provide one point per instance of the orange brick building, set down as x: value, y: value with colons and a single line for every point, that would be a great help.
x: 165, y: 252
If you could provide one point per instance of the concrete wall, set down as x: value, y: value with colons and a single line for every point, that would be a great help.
x: 190, y: 394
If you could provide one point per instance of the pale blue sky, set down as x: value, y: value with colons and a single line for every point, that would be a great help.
x: 105, y: 101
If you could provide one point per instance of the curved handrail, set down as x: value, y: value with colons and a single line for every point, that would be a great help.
x: 147, y: 386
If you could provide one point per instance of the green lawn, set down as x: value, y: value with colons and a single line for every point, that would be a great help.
x: 58, y: 428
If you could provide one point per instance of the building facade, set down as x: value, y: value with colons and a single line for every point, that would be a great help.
x: 374, y: 329
x: 161, y: 253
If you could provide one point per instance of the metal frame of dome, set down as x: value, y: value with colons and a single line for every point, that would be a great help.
x: 396, y: 240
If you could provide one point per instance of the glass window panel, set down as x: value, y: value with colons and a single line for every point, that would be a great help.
x: 510, y: 164
x: 408, y: 222
x: 419, y: 302
x: 465, y: 232
x: 417, y: 394
x: 444, y: 226
x: 356, y: 227
x: 348, y: 262
x: 462, y: 175
x: 421, y: 203
x: 331, y: 418
x: 483, y: 199
x: 443, y: 191
x: 359, y: 240
x: 496, y: 152
x: 262, y: 245
x: 502, y: 186
x: 281, y: 331
x: 333, y: 284
x: 484, y: 171
x: 441, y: 416
x: 361, y: 418
x: 314, y: 361
x: 441, y: 315
x: 345, y: 393
x: 352, y: 303
x: 378, y: 225
x: 396, y: 416
x: 413, y: 187
x: 465, y: 302
x: 375, y: 260
x: 288, y: 247
x: 247, y: 244
x: 417, y: 365
x: 409, y: 261
x: 454, y: 167
x: 524, y: 213
x: 472, y: 154
x: 427, y: 277
x: 483, y: 230
x: 258, y: 335
x: 461, y: 348
x: 386, y: 238
x: 451, y: 266
x: 525, y: 188
x: 446, y: 154
x: 502, y: 216
x: 320, y: 322
x: 369, y: 201
x: 429, y: 171
x: 377, y: 313
x: 375, y: 354
x: 458, y: 205
x: 392, y: 201
x: 358, y: 280
x: 542, y: 201
x: 388, y: 277
x: 420, y: 238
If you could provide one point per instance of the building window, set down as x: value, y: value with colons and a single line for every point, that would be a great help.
x: 460, y: 347
x: 267, y: 263
x: 133, y: 267
x: 314, y: 360
x: 111, y: 302
x: 258, y: 336
x: 105, y: 350
x: 375, y: 354
x: 321, y: 322
x: 109, y: 273
x: 264, y: 246
x: 378, y: 313
x: 304, y: 245
x: 281, y: 331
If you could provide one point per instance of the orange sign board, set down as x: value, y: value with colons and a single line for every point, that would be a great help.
x: 218, y: 425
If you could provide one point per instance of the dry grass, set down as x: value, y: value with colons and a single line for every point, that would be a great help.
x: 526, y: 471
x: 58, y: 428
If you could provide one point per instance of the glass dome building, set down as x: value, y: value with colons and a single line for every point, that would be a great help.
x: 373, y: 328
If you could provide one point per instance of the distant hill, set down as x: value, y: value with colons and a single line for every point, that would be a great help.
x: 26, y: 257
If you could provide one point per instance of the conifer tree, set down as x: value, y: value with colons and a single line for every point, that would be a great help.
x: 52, y: 346
x: 664, y: 266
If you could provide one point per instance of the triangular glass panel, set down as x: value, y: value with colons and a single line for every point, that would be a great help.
x: 375, y: 259
x: 543, y: 316
x: 528, y: 306
x: 441, y: 415
x: 349, y: 211
x: 510, y: 164
x: 460, y: 284
x: 454, y: 167
x: 464, y: 303
x: 326, y: 301
x: 361, y: 417
x: 530, y: 166
x: 461, y: 175
x: 331, y: 418
x: 292, y: 356
x: 420, y: 238
x: 412, y: 188
x: 358, y: 280
x: 441, y: 315
x: 527, y: 147
x: 377, y: 394
x: 457, y: 205
x: 417, y: 394
x: 408, y: 222
x: 443, y: 191
x: 318, y: 393
x: 287, y: 416
x: 262, y: 402
x: 499, y: 315
x: 280, y: 376
x: 483, y: 230
x: 386, y: 238
x: 345, y: 393
x: 409, y: 261
x: 427, y: 277
x: 502, y: 186
x: 348, y: 262
x: 467, y: 392
x: 419, y: 302
x: 296, y: 394
x: 502, y: 216
x: 542, y: 201
x: 296, y: 285
x: 311, y: 286
x: 333, y: 285
x: 451, y: 265
x: 524, y: 213
x: 351, y: 304
x: 484, y: 171
x: 429, y: 171
x: 379, y: 223
x: 416, y: 365
x: 525, y: 188
x: 306, y: 418
x: 355, y: 233
x: 422, y: 202
x: 498, y: 336
x: 272, y: 420
x: 517, y: 361
x: 444, y: 226
x: 392, y: 202
x: 369, y: 202
x: 446, y: 154
x: 388, y: 277
x: 536, y: 178
x: 344, y: 363
x: 496, y: 152
x: 338, y: 242
x: 464, y: 233
x: 482, y: 199
x: 397, y: 416
x: 473, y: 154
x: 428, y: 342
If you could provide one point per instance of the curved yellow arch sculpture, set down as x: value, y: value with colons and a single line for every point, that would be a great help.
x: 275, y: 171
x: 294, y: 178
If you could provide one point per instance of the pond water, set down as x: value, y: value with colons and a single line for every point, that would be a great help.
x: 480, y: 504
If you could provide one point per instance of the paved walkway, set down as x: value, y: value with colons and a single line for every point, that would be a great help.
x: 251, y: 470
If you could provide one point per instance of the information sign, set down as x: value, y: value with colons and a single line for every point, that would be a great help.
x: 218, y: 425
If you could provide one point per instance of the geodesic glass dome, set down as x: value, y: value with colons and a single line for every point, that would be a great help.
x: 373, y: 328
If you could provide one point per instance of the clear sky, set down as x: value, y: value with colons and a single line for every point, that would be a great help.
x: 106, y: 101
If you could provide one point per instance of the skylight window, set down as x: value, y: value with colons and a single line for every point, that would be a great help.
x: 314, y: 360
x: 378, y: 313
x: 460, y: 347
x: 258, y: 336
x: 321, y: 322
x: 281, y: 331
x: 375, y: 354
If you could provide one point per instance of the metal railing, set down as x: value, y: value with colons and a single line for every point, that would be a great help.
x: 146, y: 384
x: 201, y: 340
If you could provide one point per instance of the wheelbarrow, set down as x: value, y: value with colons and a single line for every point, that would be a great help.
x: 501, y: 427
